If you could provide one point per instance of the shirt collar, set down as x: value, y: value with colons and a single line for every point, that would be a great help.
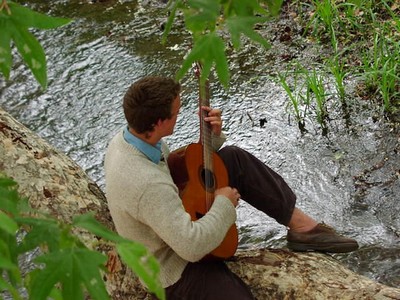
x: 152, y: 152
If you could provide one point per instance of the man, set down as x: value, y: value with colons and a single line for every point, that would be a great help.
x: 146, y: 207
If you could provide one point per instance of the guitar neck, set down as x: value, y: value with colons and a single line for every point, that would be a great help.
x: 205, y: 127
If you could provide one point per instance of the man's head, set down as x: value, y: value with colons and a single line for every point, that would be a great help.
x: 149, y: 101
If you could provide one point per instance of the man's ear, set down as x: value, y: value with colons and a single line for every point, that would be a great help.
x: 158, y: 123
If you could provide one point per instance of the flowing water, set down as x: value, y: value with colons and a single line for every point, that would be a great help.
x: 348, y: 178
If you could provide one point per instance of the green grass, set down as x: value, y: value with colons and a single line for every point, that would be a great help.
x: 364, y: 39
x: 295, y: 101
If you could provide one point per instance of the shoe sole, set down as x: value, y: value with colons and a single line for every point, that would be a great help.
x: 341, y: 248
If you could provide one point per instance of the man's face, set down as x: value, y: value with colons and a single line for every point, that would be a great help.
x: 168, y: 125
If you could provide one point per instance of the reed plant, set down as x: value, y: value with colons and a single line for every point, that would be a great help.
x: 315, y: 84
x: 295, y: 101
x: 365, y: 40
x: 337, y: 69
x: 389, y: 83
x: 308, y: 92
x: 326, y: 14
x: 350, y: 11
x: 380, y: 66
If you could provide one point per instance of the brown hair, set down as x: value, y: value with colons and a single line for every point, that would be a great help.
x: 149, y: 100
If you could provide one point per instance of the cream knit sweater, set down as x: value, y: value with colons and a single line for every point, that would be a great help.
x: 145, y: 207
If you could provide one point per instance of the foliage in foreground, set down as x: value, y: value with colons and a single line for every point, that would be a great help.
x: 65, y: 267
x: 209, y: 21
x: 15, y: 22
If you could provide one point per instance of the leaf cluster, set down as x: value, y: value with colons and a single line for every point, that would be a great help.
x: 209, y: 20
x: 15, y: 24
x: 66, y: 268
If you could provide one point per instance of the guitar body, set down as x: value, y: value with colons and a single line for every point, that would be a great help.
x: 196, y: 184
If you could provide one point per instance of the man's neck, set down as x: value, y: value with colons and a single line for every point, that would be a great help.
x: 148, y: 137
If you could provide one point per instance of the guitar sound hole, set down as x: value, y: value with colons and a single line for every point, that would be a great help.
x: 208, y: 180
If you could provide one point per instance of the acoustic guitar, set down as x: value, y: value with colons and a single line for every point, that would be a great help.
x: 198, y: 171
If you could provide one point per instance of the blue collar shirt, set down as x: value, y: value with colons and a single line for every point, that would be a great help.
x: 152, y: 152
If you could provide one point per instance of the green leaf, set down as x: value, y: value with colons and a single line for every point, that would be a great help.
x: 73, y: 268
x: 58, y: 267
x: 42, y: 232
x: 206, y: 10
x: 274, y: 6
x: 56, y: 294
x: 209, y: 49
x: 7, y: 224
x: 7, y: 265
x: 143, y: 264
x: 23, y: 205
x: 89, y: 272
x: 244, y: 8
x: 136, y: 255
x: 9, y: 259
x: 11, y: 268
x: 221, y: 63
x: 171, y: 7
x: 6, y: 182
x: 88, y: 222
x: 245, y: 25
x: 15, y: 26
x: 8, y: 245
x: 9, y: 199
x: 5, y: 48
x: 26, y: 17
x: 201, y: 15
x: 32, y: 53
x: 5, y: 286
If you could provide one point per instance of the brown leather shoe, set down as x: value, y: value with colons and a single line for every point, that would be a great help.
x: 322, y: 238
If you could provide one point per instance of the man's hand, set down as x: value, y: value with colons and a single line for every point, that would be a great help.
x: 231, y: 193
x: 214, y: 118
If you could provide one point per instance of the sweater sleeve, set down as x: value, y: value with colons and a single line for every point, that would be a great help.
x: 218, y: 141
x: 161, y: 209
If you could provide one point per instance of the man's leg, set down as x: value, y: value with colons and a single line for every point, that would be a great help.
x: 266, y: 190
x: 208, y: 281
x: 258, y: 184
x: 301, y: 222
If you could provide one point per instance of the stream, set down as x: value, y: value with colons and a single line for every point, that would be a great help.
x: 348, y: 178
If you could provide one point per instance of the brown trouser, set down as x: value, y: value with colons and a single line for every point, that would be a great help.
x: 210, y: 280
x: 262, y: 188
x: 258, y: 184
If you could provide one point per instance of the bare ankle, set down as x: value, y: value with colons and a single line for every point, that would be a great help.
x: 300, y: 222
